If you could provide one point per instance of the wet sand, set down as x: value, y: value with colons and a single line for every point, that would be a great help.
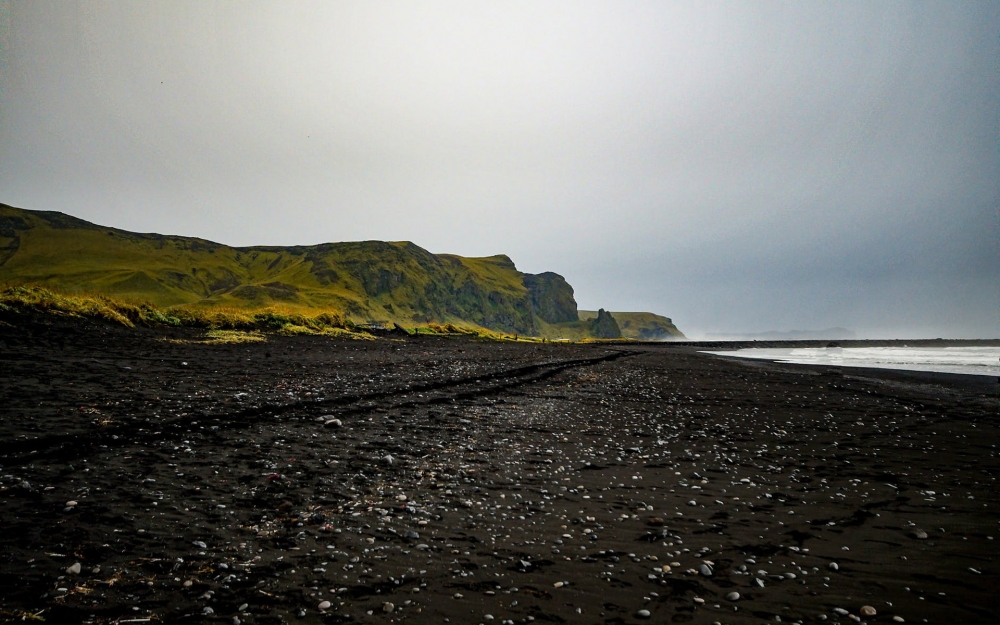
x: 449, y: 480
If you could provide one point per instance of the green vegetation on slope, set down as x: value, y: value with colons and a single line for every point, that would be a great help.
x: 364, y: 282
x: 370, y: 281
x: 641, y: 326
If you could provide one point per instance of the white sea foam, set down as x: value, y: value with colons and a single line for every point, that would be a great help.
x: 968, y: 360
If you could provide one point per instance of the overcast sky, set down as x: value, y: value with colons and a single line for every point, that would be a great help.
x: 735, y: 166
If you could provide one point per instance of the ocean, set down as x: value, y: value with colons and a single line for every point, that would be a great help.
x: 966, y: 360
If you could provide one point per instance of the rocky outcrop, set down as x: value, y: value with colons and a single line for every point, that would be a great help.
x: 551, y: 297
x: 605, y: 326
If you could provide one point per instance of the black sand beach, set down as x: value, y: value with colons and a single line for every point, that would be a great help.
x: 148, y: 477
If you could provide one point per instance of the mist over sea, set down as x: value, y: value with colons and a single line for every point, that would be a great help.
x: 965, y: 360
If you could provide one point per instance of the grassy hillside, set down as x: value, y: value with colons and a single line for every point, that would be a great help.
x: 365, y: 282
x: 641, y: 326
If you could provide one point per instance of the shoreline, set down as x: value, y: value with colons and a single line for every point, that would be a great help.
x: 984, y: 383
x: 796, y: 343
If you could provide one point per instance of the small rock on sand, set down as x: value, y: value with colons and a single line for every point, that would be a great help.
x: 388, y: 607
x: 920, y: 534
x: 867, y: 610
x: 642, y: 614
x: 834, y: 566
x: 324, y: 605
x: 74, y: 569
x: 733, y: 596
x: 705, y: 570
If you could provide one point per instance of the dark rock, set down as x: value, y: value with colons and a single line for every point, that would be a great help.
x: 605, y: 326
x: 551, y: 297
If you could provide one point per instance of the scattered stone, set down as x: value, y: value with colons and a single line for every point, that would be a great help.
x: 705, y: 570
x: 558, y: 585
x: 840, y: 611
x: 74, y: 569
x: 733, y: 596
x: 200, y: 544
x: 333, y: 423
x: 388, y: 459
x: 324, y: 605
x: 867, y: 610
x: 71, y: 504
x: 899, y: 619
x: 920, y: 534
x: 833, y: 566
x: 388, y: 607
x: 699, y: 600
x: 643, y: 614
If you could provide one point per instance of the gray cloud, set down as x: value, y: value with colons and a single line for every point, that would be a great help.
x: 738, y: 167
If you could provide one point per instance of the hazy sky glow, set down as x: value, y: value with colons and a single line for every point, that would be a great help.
x: 735, y: 166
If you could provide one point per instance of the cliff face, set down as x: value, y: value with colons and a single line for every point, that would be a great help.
x: 551, y: 297
x: 605, y: 326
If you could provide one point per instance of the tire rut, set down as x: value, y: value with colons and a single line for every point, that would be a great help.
x: 68, y: 446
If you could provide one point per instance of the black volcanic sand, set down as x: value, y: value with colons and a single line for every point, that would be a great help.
x: 476, y: 482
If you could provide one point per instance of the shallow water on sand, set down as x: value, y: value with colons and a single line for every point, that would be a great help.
x: 966, y: 360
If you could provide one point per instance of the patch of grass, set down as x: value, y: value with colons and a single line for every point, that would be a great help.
x: 20, y: 298
x: 234, y: 336
x: 238, y: 322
